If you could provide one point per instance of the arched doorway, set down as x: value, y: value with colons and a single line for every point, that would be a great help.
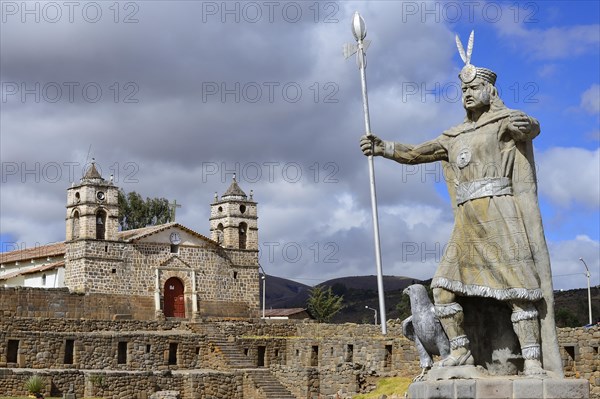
x: 174, y: 299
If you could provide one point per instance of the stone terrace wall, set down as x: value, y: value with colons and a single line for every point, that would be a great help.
x: 215, y: 385
x: 579, y: 351
x: 26, y: 324
x: 313, y: 359
x: 56, y: 383
x: 289, y: 345
x: 270, y: 328
x: 147, y: 349
x: 346, y: 356
x: 116, y: 345
x: 60, y: 303
x: 126, y: 385
x: 94, y: 351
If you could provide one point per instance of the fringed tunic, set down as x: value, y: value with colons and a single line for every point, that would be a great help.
x: 489, y: 253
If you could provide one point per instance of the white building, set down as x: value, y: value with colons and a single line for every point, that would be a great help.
x: 41, y: 267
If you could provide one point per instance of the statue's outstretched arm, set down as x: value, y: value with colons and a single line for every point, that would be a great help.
x: 429, y: 151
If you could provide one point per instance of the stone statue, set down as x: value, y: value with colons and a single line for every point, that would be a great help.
x: 424, y: 328
x: 497, y: 247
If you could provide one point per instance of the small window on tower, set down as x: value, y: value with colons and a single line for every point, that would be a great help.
x: 77, y: 197
x: 174, y: 249
x: 75, y: 231
x: 100, y: 225
x: 242, y: 208
x: 220, y: 233
x: 243, y: 230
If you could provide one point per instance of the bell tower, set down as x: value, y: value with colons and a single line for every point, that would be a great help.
x: 234, y: 220
x: 92, y: 208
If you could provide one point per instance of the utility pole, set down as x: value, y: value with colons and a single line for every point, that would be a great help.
x: 587, y: 273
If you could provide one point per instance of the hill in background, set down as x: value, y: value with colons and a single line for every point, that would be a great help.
x: 358, y: 292
x: 571, y: 307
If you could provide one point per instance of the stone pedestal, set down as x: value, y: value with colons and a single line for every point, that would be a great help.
x: 501, y: 388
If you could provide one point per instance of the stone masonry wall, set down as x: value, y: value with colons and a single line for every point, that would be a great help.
x: 126, y: 385
x: 335, y: 370
x: 226, y: 283
x: 579, y: 352
x: 310, y: 359
x: 93, y: 264
x: 313, y: 359
x: 228, y: 214
x: 59, y: 303
x: 145, y: 351
x: 130, y: 269
x: 12, y: 382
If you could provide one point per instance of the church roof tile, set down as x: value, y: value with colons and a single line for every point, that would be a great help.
x: 43, y: 251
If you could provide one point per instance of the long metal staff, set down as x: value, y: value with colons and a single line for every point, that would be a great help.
x: 359, y: 31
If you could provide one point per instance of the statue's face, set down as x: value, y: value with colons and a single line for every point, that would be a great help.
x: 476, y: 94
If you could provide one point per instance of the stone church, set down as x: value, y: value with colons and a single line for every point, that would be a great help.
x: 159, y: 271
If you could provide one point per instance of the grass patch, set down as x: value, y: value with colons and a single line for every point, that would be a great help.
x: 387, y: 386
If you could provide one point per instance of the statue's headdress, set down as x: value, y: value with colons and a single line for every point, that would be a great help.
x: 469, y: 71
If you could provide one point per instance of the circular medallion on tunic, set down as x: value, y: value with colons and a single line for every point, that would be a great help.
x: 463, y: 158
x: 468, y: 73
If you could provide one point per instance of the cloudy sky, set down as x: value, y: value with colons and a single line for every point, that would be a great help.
x: 173, y: 97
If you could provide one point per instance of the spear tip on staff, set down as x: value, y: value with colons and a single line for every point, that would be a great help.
x: 359, y: 29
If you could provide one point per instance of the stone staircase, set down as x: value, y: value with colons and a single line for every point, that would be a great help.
x: 233, y: 354
x: 262, y: 378
x: 268, y: 384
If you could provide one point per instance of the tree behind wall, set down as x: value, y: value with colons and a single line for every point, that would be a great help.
x: 323, y: 304
x: 135, y: 212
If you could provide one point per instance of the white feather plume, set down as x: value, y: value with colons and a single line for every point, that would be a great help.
x: 470, y: 47
x: 461, y: 50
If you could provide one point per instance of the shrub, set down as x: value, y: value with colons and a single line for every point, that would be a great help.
x: 35, y: 384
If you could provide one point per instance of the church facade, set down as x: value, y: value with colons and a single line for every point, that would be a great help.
x: 169, y: 268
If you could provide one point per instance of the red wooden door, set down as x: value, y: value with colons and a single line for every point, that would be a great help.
x: 174, y: 299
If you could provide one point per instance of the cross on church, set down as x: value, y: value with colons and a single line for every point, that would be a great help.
x: 173, y: 207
